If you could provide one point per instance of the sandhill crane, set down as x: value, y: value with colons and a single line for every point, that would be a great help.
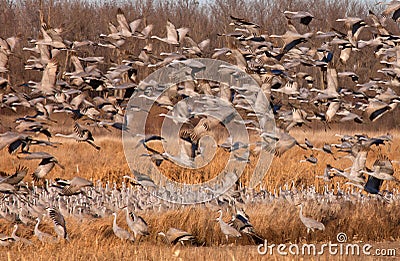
x: 229, y: 146
x: 349, y: 116
x: 74, y: 186
x: 305, y: 17
x: 228, y: 230
x: 251, y: 27
x: 308, y: 143
x: 382, y: 169
x: 376, y: 109
x: 182, y: 159
x: 327, y: 149
x: 43, y: 236
x: 175, y: 235
x: 8, y: 189
x: 242, y: 157
x: 354, y: 77
x: 332, y: 85
x: 81, y: 135
x: 387, y: 96
x: 297, y: 119
x: 17, y: 238
x: 46, y: 164
x: 142, y: 180
x: 284, y: 141
x: 327, y: 173
x: 51, y: 36
x: 120, y: 232
x: 290, y: 88
x: 136, y: 224
x: 125, y: 29
x: 17, y: 177
x: 48, y: 81
x: 332, y: 110
x: 39, y: 63
x: 310, y: 223
x: 378, y: 23
x: 180, y: 114
x: 359, y: 164
x: 34, y: 126
x: 240, y: 63
x: 356, y: 177
x: 59, y: 223
x: 312, y: 159
x: 196, y: 48
x: 6, y: 240
x: 14, y: 140
x: 353, y: 26
x: 6, y: 48
x: 42, y: 115
x: 174, y: 36
x: 242, y: 224
x: 291, y: 39
x: 393, y: 7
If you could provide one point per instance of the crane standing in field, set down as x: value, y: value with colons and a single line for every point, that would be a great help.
x: 43, y: 236
x: 136, y: 224
x: 120, y: 232
x: 310, y: 223
x: 229, y: 231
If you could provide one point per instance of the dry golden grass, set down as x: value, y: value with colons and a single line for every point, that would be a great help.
x: 109, y: 164
x: 278, y: 222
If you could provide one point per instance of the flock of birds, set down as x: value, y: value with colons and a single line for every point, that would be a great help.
x: 92, y: 98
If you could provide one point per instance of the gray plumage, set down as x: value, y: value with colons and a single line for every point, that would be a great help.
x: 43, y: 236
x: 120, y: 232
x: 46, y: 164
x: 310, y: 223
x: 136, y: 224
x: 174, y: 235
x: 59, y: 223
x: 228, y: 230
x: 17, y: 177
x: 241, y: 223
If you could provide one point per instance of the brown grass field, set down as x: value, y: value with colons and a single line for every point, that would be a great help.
x: 278, y: 222
x: 373, y: 222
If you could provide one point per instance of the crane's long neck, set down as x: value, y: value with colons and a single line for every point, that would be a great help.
x: 13, y: 235
x: 301, y: 210
x: 127, y: 214
x: 220, y: 216
x: 37, y: 225
x: 133, y: 216
x: 115, y: 220
x: 69, y: 136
